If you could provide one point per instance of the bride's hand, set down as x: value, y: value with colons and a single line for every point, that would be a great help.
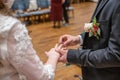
x: 52, y: 53
x: 62, y: 50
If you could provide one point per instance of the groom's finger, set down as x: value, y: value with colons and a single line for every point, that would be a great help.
x: 66, y: 43
x: 60, y: 46
x: 61, y: 59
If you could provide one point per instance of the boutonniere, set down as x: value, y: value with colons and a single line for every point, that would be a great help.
x: 92, y: 28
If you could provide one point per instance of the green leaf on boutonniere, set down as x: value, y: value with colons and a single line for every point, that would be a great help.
x: 93, y: 28
x: 98, y: 31
x: 90, y: 34
x: 97, y: 37
x: 94, y: 20
x: 67, y: 64
x: 97, y: 24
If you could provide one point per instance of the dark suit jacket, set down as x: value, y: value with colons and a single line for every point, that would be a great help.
x: 100, y: 59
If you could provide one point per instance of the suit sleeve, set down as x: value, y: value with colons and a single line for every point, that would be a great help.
x: 107, y: 57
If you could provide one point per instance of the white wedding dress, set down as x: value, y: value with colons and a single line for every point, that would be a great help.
x: 18, y: 59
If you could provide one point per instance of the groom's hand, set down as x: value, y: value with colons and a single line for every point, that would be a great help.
x: 63, y: 58
x: 62, y: 50
x: 69, y: 40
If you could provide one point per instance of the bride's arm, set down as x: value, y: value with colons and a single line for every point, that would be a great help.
x: 23, y: 57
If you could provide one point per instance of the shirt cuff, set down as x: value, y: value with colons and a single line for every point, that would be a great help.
x: 81, y: 40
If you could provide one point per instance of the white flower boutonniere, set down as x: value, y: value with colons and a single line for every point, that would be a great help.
x: 92, y: 28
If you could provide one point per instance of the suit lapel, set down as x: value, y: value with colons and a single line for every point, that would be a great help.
x: 100, y: 6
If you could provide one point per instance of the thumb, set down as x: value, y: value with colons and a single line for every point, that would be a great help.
x: 46, y: 53
x: 62, y: 59
x: 66, y: 43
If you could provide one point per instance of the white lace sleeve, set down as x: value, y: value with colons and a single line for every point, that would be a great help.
x: 23, y: 57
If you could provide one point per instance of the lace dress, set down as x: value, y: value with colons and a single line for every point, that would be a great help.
x: 18, y: 59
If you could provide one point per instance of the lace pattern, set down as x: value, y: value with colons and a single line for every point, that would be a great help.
x: 6, y: 23
x: 50, y: 70
x: 23, y: 53
x: 22, y: 77
x: 23, y: 42
x: 22, y: 38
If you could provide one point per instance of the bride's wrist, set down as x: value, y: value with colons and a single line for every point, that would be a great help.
x: 55, y: 56
x: 53, y: 61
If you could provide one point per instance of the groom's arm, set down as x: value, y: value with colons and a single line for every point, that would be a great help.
x: 107, y: 57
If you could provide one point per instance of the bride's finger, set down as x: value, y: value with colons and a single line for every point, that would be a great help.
x: 46, y: 52
x: 60, y: 46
